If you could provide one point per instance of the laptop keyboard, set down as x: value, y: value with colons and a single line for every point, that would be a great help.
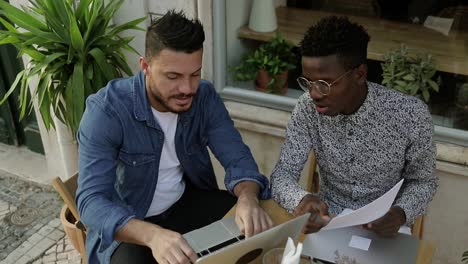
x: 220, y: 246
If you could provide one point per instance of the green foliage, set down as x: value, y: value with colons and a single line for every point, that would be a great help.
x: 410, y: 75
x: 465, y: 257
x: 74, y: 50
x: 275, y: 57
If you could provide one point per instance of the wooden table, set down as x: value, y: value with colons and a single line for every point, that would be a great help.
x: 450, y: 52
x: 279, y: 215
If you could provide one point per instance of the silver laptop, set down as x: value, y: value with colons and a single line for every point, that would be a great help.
x: 325, y: 245
x: 214, y: 236
x: 222, y: 242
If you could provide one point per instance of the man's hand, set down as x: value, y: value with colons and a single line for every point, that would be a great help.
x: 250, y: 217
x: 171, y: 247
x: 167, y: 246
x: 389, y: 224
x: 319, y: 213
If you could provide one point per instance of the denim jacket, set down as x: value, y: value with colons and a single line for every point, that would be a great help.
x: 120, y: 145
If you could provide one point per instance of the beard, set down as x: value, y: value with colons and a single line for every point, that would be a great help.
x: 165, y: 102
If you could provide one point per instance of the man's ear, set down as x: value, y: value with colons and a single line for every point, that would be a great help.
x: 144, y: 65
x: 361, y: 74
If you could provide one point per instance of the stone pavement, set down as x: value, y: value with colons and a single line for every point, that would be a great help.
x: 30, y: 228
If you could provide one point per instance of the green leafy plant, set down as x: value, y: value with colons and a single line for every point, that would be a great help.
x: 410, y: 74
x: 465, y: 257
x: 74, y: 49
x: 274, y: 56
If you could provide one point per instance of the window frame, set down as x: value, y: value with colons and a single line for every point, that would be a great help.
x: 227, y: 92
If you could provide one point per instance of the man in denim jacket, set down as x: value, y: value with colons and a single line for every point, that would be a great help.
x: 145, y: 175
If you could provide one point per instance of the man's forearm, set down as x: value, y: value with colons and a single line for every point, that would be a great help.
x: 137, y: 232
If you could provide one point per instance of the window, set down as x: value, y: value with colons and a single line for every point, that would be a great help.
x: 388, y: 27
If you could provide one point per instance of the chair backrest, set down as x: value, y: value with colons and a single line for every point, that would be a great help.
x: 313, y: 185
x: 67, y: 191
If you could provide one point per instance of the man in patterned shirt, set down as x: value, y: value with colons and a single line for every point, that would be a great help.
x: 366, y: 138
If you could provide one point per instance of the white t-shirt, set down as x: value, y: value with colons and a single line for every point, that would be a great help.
x: 170, y: 185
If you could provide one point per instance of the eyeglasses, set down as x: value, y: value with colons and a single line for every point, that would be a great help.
x: 323, y: 87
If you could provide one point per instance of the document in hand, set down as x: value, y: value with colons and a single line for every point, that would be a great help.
x: 368, y: 213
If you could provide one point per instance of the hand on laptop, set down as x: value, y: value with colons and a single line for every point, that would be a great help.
x: 389, y: 224
x: 171, y: 247
x: 319, y: 216
x: 250, y: 217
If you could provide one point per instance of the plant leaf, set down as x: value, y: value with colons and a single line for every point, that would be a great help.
x: 101, y: 60
x: 13, y: 86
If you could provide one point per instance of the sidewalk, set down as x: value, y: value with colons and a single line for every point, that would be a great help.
x: 30, y: 228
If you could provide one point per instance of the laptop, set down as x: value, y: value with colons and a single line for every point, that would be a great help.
x: 222, y: 242
x: 362, y: 245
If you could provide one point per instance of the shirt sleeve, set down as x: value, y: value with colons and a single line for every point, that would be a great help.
x: 226, y: 144
x: 286, y: 189
x: 100, y: 208
x: 420, y: 182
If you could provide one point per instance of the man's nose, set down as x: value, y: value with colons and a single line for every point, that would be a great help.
x: 315, y: 94
x: 185, y: 87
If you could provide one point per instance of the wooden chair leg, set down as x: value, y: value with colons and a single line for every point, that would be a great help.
x: 417, y: 229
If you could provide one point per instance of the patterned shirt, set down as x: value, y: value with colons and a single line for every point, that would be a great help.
x: 362, y: 155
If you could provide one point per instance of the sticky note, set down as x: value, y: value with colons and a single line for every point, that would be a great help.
x: 360, y: 243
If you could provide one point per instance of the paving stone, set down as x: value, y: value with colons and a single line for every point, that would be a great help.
x: 55, y: 223
x: 24, y: 260
x: 39, y: 261
x: 38, y: 226
x: 34, y: 239
x: 69, y: 247
x: 13, y: 256
x: 56, y: 235
x: 25, y: 247
x: 45, y: 230
x: 51, y: 250
x: 50, y: 258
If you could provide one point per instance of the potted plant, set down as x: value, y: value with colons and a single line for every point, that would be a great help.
x: 465, y: 257
x: 410, y: 74
x: 268, y: 66
x: 74, y: 50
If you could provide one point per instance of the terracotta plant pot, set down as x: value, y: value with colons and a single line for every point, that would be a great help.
x: 263, y: 78
x: 75, y: 235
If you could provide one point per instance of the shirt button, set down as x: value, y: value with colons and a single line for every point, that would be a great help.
x: 134, y: 163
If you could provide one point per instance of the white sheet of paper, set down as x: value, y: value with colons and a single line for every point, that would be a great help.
x: 368, y: 213
x: 360, y: 242
x: 439, y: 24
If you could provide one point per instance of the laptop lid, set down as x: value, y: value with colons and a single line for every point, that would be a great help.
x: 362, y: 245
x: 245, y: 250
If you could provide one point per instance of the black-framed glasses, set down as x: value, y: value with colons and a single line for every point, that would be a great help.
x: 323, y: 87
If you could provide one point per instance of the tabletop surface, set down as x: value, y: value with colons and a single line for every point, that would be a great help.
x: 279, y: 215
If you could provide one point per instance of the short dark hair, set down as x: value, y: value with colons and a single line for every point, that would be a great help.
x: 334, y: 35
x: 176, y: 32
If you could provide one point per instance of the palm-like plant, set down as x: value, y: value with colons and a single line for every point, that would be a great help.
x: 74, y: 49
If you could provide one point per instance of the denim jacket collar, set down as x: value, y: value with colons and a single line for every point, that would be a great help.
x: 142, y: 106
